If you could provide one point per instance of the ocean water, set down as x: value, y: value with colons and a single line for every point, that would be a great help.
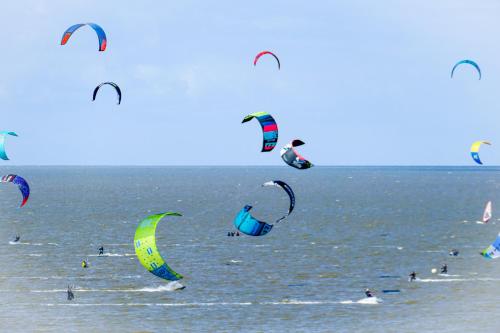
x: 351, y: 227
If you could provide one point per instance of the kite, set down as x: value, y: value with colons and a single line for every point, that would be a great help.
x: 99, y: 31
x: 3, y: 155
x: 21, y: 183
x: 269, y: 129
x: 146, y: 250
x: 291, y: 157
x: 114, y: 85
x: 266, y: 52
x: 469, y: 62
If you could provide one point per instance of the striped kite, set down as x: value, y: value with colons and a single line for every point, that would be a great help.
x: 269, y: 129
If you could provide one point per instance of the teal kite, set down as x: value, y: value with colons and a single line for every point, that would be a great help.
x: 3, y: 155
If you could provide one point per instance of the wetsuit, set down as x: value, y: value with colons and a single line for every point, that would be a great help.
x: 413, y: 276
x: 70, y: 294
x: 101, y: 250
x: 444, y: 269
x: 368, y: 293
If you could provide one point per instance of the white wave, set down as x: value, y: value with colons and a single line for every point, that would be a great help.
x: 297, y: 302
x: 112, y: 255
x: 34, y: 255
x: 450, y: 275
x: 443, y: 280
x: 172, y: 286
x: 367, y: 300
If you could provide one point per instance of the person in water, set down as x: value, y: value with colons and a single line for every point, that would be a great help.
x: 101, y: 250
x: 368, y: 293
x: 454, y: 252
x: 413, y: 276
x: 237, y: 233
x: 84, y: 264
x: 17, y: 238
x: 228, y: 234
x: 70, y: 293
x: 444, y: 269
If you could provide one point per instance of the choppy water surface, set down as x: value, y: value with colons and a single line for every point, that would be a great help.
x: 350, y: 227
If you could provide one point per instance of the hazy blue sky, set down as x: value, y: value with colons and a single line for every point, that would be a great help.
x: 362, y: 82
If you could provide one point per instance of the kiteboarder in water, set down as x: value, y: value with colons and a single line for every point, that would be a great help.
x: 70, y: 293
x: 413, y: 276
x: 17, y: 238
x: 454, y: 252
x: 444, y: 269
x: 84, y: 264
x: 368, y: 293
x: 101, y: 250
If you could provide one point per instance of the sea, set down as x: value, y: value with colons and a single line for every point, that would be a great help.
x: 352, y: 228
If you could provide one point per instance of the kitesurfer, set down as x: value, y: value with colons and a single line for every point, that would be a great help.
x: 84, y: 264
x: 413, y: 276
x: 454, y: 252
x: 237, y: 233
x: 17, y: 238
x: 70, y: 293
x: 368, y: 293
x: 444, y: 269
x: 101, y: 250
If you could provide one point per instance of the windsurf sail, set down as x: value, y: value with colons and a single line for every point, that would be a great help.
x: 487, y: 212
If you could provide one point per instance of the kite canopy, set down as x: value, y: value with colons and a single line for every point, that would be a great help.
x: 114, y: 85
x: 146, y: 250
x: 99, y: 31
x: 269, y: 129
x: 288, y: 190
x: 469, y: 62
x: 21, y: 183
x: 248, y: 225
x: 260, y: 54
x: 3, y: 155
x: 291, y: 157
x: 493, y: 251
x: 474, y: 150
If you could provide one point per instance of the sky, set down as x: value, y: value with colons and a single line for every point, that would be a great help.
x: 361, y: 82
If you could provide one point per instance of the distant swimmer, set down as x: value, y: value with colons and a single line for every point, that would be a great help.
x: 85, y: 264
x: 237, y: 233
x: 444, y: 269
x: 101, y: 250
x: 454, y: 252
x: 71, y: 296
x: 17, y: 238
x: 228, y: 234
x: 368, y: 293
x: 413, y: 276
